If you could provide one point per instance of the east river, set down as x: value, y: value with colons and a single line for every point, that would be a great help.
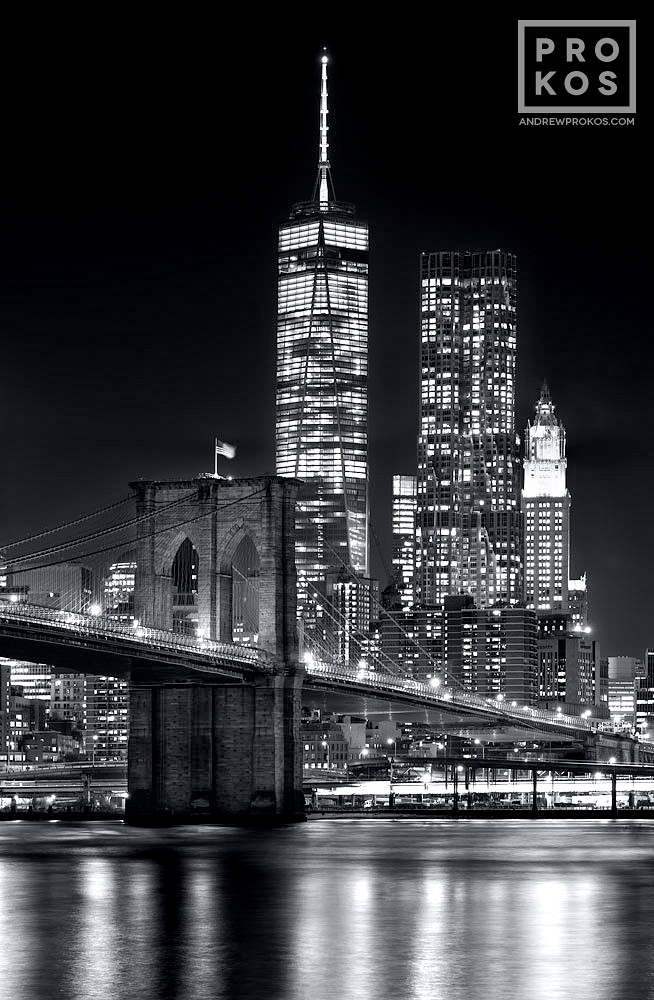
x: 345, y: 909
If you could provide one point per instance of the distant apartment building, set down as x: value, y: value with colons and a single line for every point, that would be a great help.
x: 107, y: 717
x: 568, y: 669
x: 491, y: 651
x: 5, y: 698
x: 325, y: 746
x: 118, y: 590
x: 625, y: 673
x: 68, y: 699
x: 352, y: 605
x: 412, y: 641
x: 106, y: 698
x: 34, y: 679
x: 26, y: 715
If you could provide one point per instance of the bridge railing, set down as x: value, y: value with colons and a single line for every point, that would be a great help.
x: 387, y: 683
x: 94, y: 626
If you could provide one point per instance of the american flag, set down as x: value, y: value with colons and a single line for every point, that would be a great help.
x: 222, y: 448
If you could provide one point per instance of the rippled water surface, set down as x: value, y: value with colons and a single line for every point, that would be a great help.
x: 375, y: 909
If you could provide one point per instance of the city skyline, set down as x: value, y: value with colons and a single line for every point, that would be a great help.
x: 119, y: 289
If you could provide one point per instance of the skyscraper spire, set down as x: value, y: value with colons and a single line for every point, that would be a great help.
x: 544, y: 393
x: 322, y: 387
x: 324, y: 180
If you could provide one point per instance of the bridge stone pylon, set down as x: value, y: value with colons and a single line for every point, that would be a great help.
x: 218, y: 748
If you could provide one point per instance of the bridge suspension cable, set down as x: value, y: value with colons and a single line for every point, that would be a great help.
x: 72, y: 543
x: 453, y: 681
x: 67, y: 524
x: 126, y: 544
x: 341, y: 621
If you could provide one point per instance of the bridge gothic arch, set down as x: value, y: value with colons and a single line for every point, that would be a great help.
x: 240, y: 586
x: 242, y: 534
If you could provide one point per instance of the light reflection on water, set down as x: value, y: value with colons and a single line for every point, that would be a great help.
x: 412, y: 909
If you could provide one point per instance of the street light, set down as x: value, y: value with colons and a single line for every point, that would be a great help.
x: 325, y: 746
x: 95, y: 740
x: 394, y: 742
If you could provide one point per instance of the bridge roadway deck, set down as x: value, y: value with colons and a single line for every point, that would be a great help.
x: 364, y: 682
x: 65, y: 640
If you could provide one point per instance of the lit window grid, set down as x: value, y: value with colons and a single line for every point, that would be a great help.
x: 467, y: 396
x: 315, y: 389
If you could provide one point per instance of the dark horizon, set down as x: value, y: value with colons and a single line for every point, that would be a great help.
x: 140, y: 213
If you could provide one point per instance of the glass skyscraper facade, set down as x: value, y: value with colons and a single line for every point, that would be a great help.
x: 322, y: 379
x: 404, y: 519
x: 468, y: 502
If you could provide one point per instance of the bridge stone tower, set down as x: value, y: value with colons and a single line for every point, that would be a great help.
x: 217, y: 748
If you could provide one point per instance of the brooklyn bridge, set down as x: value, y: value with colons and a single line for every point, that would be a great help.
x: 215, y: 722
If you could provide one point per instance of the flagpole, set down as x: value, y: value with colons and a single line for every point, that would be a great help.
x: 215, y: 458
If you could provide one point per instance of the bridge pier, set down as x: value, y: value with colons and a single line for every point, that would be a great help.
x: 216, y: 752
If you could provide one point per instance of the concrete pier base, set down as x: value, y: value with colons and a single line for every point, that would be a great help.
x: 216, y: 752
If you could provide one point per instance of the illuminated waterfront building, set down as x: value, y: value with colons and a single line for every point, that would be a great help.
x: 468, y: 518
x: 546, y: 511
x: 322, y: 380
x: 404, y: 536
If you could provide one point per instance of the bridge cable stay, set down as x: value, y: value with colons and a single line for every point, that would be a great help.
x: 501, y: 708
x: 453, y: 681
x: 67, y: 524
x: 342, y: 622
x: 125, y: 544
x: 383, y: 611
x: 375, y: 657
x: 72, y: 543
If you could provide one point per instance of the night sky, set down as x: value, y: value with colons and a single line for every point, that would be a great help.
x: 145, y: 172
